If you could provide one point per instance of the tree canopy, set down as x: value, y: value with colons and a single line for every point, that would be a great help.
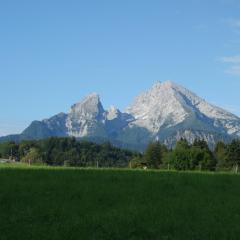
x: 70, y: 152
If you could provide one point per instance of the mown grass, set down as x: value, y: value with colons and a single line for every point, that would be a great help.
x: 58, y: 203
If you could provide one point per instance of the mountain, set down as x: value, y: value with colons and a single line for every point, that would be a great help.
x: 54, y: 126
x: 166, y: 112
x: 170, y: 112
x: 86, y: 118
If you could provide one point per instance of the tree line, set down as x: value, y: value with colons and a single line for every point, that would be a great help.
x: 195, y: 156
x: 66, y: 152
x: 70, y: 152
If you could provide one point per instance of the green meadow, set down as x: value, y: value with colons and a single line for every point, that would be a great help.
x: 69, y: 203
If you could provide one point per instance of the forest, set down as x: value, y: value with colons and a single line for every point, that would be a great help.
x: 71, y: 152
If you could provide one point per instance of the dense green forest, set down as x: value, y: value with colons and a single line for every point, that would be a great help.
x: 196, y: 156
x: 70, y: 152
x: 66, y: 151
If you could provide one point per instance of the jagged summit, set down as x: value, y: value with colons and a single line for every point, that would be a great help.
x: 161, y: 105
x: 113, y: 113
x: 83, y: 116
x: 92, y: 96
x: 92, y: 99
x: 166, y: 112
x: 168, y: 104
x: 159, y: 84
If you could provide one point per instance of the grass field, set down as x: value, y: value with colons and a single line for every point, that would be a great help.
x: 49, y: 203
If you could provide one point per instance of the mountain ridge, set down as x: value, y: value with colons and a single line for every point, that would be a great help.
x: 165, y: 112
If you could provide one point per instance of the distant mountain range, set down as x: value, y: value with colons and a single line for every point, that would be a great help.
x: 166, y: 112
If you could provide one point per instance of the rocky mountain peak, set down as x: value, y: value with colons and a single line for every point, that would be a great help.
x: 91, y: 104
x: 161, y: 105
x: 85, y: 116
x: 167, y: 112
x: 92, y: 97
x: 166, y: 84
x: 167, y: 105
x: 113, y: 113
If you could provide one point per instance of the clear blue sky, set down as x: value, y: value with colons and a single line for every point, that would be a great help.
x: 53, y: 53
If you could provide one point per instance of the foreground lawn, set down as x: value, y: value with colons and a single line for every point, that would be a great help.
x: 48, y: 203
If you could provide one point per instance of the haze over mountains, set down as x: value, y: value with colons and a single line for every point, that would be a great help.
x: 166, y: 112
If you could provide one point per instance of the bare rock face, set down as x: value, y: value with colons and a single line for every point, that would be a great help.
x: 166, y: 112
x: 89, y: 119
x: 170, y: 112
x: 168, y: 105
x: 158, y: 107
x: 86, y: 118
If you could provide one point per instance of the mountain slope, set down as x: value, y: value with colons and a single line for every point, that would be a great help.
x: 170, y: 112
x: 54, y: 126
x: 167, y: 104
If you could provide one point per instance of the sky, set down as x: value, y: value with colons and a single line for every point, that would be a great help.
x: 54, y: 52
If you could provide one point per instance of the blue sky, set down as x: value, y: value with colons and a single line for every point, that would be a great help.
x: 53, y: 53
